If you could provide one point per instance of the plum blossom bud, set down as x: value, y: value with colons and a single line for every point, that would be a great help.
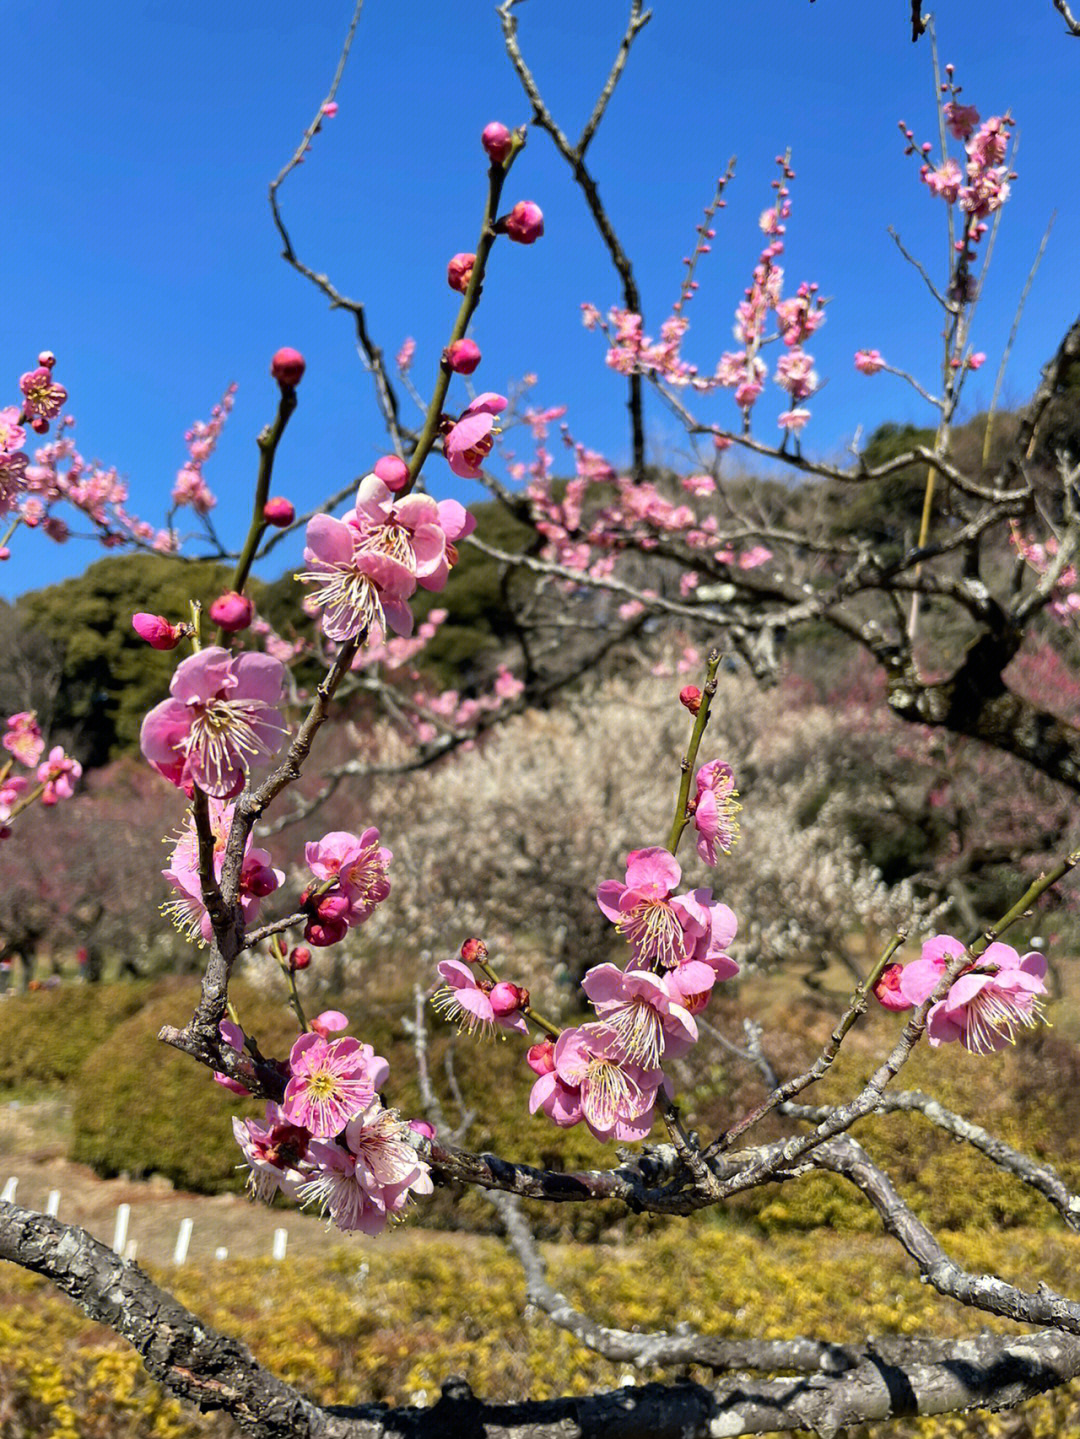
x: 887, y: 989
x: 323, y: 932
x: 690, y: 698
x: 507, y: 998
x: 40, y: 425
x: 330, y: 109
x: 279, y: 512
x: 46, y: 359
x: 459, y: 272
x: 474, y: 951
x: 462, y: 356
x: 232, y: 611
x: 423, y: 1128
x: 300, y: 958
x: 525, y: 223
x: 393, y: 472
x: 497, y: 141
x: 156, y: 631
x: 541, y: 1057
x: 288, y: 366
x: 5, y: 552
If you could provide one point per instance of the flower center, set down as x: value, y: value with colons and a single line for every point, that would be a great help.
x: 653, y: 928
x: 997, y: 1013
x: 348, y: 599
x: 609, y: 1092
x: 639, y: 1030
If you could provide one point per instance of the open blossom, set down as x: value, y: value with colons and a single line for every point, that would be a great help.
x: 715, y: 810
x: 356, y: 588
x: 469, y: 441
x: 258, y: 877
x: 23, y: 738
x: 665, y: 928
x: 478, y: 1003
x: 58, y: 773
x: 41, y: 397
x: 358, y: 863
x: 986, y: 1006
x: 332, y: 1081
x: 274, y: 1151
x: 415, y: 530
x: 636, y: 1006
x: 869, y: 362
x: 593, y: 1080
x: 222, y: 718
x: 365, y: 1182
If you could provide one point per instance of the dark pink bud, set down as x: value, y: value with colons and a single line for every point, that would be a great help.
x: 474, y: 951
x: 497, y: 141
x: 46, y: 359
x: 330, y: 109
x: 156, y: 631
x: 393, y: 472
x: 690, y: 698
x: 525, y: 223
x: 322, y: 932
x: 421, y: 1126
x: 40, y: 425
x: 288, y: 366
x: 5, y: 552
x: 232, y: 612
x: 280, y: 512
x: 507, y: 998
x: 300, y: 957
x: 334, y: 906
x: 462, y: 356
x: 260, y: 881
x: 459, y: 272
x: 541, y: 1057
x: 887, y: 988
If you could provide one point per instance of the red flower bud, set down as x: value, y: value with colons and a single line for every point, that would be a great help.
x: 459, y: 272
x: 524, y: 224
x: 507, y: 998
x: 156, y: 631
x: 690, y: 698
x: 287, y: 367
x: 40, y: 425
x: 473, y: 951
x: 46, y: 359
x: 393, y: 472
x: 280, y: 512
x: 541, y: 1057
x: 232, y: 612
x: 321, y: 932
x: 462, y: 356
x: 497, y: 141
x: 300, y: 957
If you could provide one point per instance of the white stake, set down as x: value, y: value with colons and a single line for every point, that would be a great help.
x: 221, y: 1252
x: 132, y: 1249
x: 8, y: 1195
x: 123, y: 1214
x: 183, y: 1239
x: 281, y: 1238
x: 52, y: 1204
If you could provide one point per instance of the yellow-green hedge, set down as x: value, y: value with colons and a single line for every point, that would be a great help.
x: 45, y: 1036
x: 390, y: 1321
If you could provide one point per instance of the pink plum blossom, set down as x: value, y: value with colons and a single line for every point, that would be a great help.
x: 475, y: 1003
x: 234, y: 1037
x: 365, y: 1182
x: 357, y: 589
x: 415, y: 530
x: 156, y: 630
x: 274, y: 1152
x: 222, y: 717
x: 988, y: 1003
x: 649, y: 1024
x: 332, y: 1080
x: 922, y: 976
x: 258, y: 877
x: 664, y: 928
x: 58, y: 773
x: 525, y: 223
x: 613, y: 1095
x: 869, y: 362
x: 469, y: 441
x: 41, y: 397
x: 887, y: 989
x: 497, y: 141
x: 288, y: 366
x: 232, y: 612
x: 23, y: 738
x: 715, y: 810
x: 358, y: 863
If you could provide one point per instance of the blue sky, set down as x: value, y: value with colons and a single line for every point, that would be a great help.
x: 139, y: 245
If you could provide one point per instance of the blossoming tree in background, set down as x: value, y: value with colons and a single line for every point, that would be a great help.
x: 234, y: 738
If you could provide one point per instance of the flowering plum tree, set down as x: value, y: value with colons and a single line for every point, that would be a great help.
x: 236, y: 734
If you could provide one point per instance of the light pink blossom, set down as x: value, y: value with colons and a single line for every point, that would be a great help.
x: 59, y: 774
x: 359, y: 863
x: 222, y: 718
x: 869, y: 362
x: 332, y: 1081
x: 357, y: 589
x: 365, y: 1182
x: 469, y: 441
x: 474, y: 1003
x: 615, y: 1095
x: 649, y: 1024
x: 274, y: 1152
x: 715, y: 810
x: 23, y: 738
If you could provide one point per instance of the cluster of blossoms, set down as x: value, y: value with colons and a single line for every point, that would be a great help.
x: 31, y: 486
x: 608, y: 1073
x: 365, y: 567
x: 258, y: 877
x: 330, y: 1141
x: 53, y: 777
x: 190, y: 488
x: 993, y: 997
x: 979, y: 184
x: 352, y: 874
x: 1065, y: 599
